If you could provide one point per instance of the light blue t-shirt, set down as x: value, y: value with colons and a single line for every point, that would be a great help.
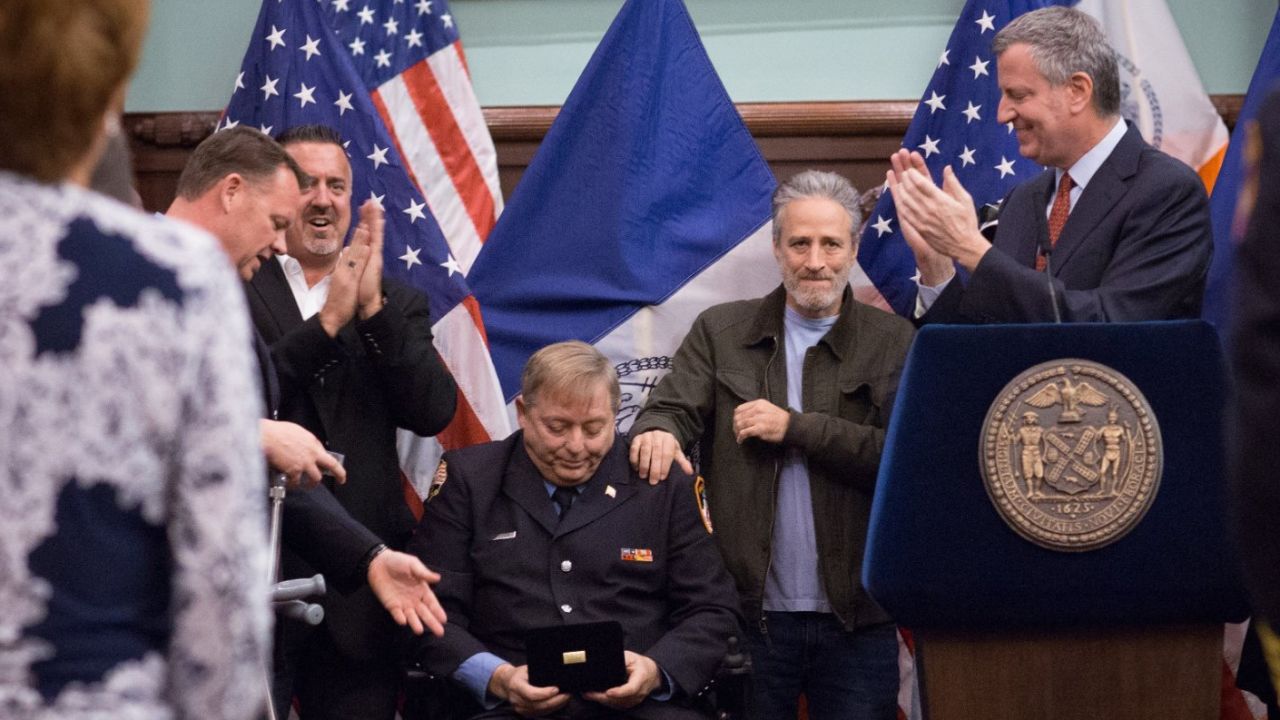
x: 794, y: 583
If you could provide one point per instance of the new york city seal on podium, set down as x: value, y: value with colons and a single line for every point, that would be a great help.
x: 1071, y: 455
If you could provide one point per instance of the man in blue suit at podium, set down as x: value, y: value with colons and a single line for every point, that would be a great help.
x: 1122, y: 228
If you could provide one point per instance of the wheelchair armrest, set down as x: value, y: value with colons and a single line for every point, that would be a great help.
x: 725, y: 696
x: 432, y: 697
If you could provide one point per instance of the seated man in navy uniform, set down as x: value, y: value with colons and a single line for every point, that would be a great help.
x: 551, y: 526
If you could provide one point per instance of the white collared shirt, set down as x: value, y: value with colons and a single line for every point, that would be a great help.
x: 1087, y: 166
x: 308, y: 299
x: 1081, y: 173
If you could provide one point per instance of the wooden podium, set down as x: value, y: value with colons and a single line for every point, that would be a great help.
x: 1169, y: 673
x: 1008, y: 628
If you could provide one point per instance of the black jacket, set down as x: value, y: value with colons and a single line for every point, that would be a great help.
x: 352, y: 392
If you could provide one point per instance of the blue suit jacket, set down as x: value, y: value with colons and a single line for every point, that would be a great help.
x: 1136, y: 247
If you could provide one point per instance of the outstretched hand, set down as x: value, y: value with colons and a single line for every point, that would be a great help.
x: 402, y: 584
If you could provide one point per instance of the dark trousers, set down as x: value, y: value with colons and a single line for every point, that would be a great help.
x: 843, y: 675
x: 327, y: 684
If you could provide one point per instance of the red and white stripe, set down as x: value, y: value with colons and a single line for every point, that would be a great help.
x: 435, y: 121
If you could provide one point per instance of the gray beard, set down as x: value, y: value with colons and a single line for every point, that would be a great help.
x: 322, y: 248
x: 814, y: 300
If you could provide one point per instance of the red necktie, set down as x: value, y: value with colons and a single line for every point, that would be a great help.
x: 1058, y: 214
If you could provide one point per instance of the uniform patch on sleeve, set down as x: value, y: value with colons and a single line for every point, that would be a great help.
x: 700, y: 494
x: 437, y: 481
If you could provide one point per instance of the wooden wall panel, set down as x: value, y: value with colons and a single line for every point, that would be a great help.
x: 160, y: 143
x: 852, y: 138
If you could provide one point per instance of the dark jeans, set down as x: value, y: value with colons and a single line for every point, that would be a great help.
x: 843, y: 675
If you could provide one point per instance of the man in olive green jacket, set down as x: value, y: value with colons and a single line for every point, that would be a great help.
x: 789, y: 396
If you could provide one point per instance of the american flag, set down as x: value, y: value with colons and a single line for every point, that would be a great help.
x: 390, y: 77
x: 955, y: 124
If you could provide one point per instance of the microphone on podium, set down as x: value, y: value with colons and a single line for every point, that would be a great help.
x: 989, y: 220
x: 1046, y: 249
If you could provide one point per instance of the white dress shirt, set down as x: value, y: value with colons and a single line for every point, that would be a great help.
x: 309, y: 299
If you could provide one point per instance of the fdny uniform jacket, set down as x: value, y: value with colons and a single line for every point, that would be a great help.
x: 627, y: 551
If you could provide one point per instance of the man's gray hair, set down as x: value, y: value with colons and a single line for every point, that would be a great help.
x: 817, y: 184
x: 1064, y: 41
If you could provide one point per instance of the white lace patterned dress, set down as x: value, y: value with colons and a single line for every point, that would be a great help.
x: 133, y: 566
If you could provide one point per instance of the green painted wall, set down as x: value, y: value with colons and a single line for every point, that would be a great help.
x: 529, y: 52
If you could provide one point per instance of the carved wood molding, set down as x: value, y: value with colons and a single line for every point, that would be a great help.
x: 530, y: 123
x: 762, y: 119
x: 170, y: 129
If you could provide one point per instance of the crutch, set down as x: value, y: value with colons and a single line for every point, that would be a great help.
x: 287, y: 596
